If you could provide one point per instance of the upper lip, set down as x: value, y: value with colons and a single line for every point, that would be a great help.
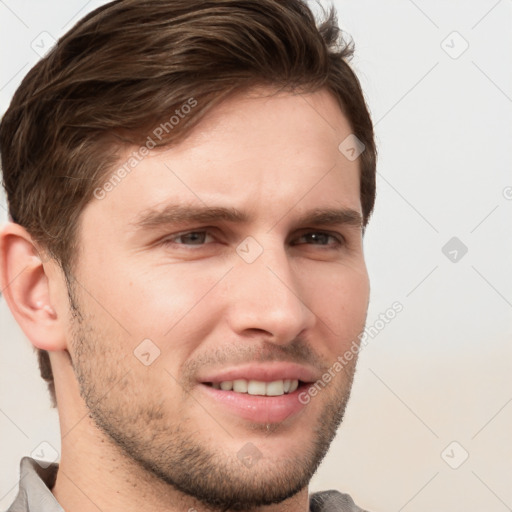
x: 266, y: 372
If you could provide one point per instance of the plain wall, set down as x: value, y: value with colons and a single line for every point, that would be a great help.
x: 435, y: 383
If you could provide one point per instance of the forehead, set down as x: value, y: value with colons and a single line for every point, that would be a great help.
x: 259, y: 151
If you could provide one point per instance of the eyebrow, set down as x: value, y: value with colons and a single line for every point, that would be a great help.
x: 173, y: 214
x: 332, y: 216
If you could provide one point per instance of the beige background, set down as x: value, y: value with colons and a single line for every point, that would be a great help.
x: 440, y: 372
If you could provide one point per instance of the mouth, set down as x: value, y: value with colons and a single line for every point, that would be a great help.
x: 259, y: 393
x: 258, y: 387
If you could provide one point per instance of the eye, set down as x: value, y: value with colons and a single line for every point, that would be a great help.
x: 189, y: 238
x: 319, y: 238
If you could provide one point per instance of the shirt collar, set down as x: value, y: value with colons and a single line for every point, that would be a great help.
x: 36, y: 480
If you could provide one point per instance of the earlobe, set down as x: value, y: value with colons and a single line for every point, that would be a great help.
x: 25, y: 286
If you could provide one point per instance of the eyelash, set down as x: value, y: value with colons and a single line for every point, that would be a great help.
x: 339, y: 240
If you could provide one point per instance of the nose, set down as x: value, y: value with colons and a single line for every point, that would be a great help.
x: 265, y: 299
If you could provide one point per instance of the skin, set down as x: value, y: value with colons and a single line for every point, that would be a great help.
x: 128, y: 429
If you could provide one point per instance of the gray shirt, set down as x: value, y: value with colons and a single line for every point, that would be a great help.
x: 36, y: 482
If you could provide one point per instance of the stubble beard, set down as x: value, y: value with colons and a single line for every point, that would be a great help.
x: 168, y: 449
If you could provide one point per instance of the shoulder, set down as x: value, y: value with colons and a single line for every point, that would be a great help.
x: 333, y: 501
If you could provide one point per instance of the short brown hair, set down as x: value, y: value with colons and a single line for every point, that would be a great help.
x: 126, y: 67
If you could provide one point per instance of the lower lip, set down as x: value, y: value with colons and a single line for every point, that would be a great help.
x: 257, y: 408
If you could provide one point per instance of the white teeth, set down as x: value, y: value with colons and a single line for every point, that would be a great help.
x: 226, y: 385
x: 258, y: 387
x: 240, y: 386
x: 275, y: 388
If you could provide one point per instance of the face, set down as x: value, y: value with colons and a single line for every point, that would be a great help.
x: 223, y: 277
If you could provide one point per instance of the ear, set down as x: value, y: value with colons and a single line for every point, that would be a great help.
x: 25, y: 285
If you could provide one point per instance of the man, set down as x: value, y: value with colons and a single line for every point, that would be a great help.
x: 188, y: 184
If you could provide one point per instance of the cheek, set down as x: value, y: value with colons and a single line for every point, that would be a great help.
x: 339, y: 297
x: 172, y: 305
